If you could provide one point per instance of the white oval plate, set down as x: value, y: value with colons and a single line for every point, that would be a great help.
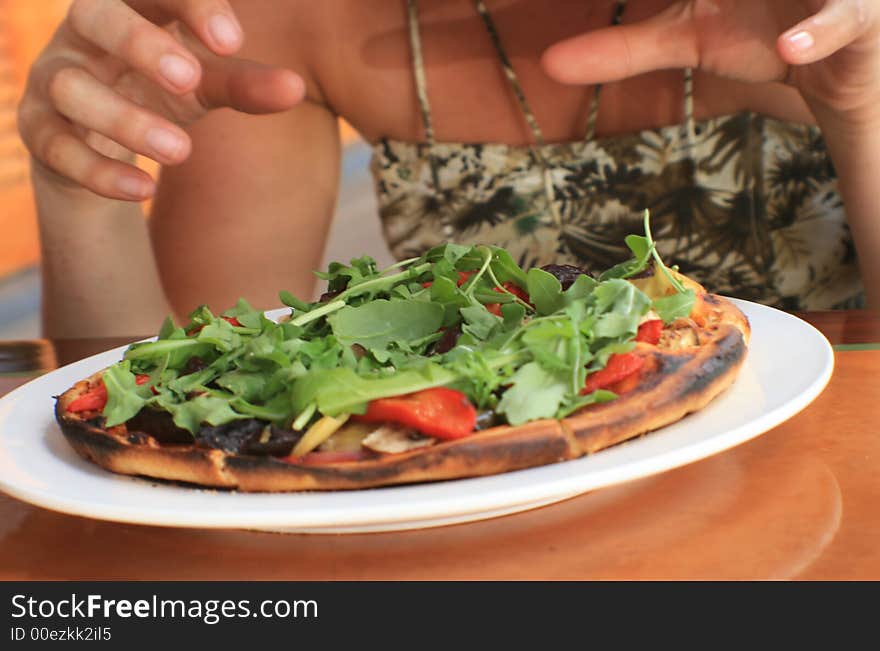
x: 788, y: 365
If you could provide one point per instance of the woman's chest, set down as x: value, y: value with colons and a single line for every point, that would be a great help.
x: 369, y: 79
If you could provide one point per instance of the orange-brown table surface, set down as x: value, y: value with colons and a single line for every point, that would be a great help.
x: 801, y: 501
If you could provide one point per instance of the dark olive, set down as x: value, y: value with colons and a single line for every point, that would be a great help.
x: 566, y: 274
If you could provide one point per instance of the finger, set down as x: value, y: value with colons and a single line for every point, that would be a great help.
x: 250, y: 87
x: 119, y: 30
x: 213, y: 21
x: 839, y: 23
x: 615, y: 53
x: 87, y: 102
x: 56, y: 146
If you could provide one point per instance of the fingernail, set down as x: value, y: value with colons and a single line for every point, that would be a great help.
x: 224, y: 30
x: 134, y: 187
x: 177, y: 70
x: 163, y: 142
x: 801, y: 40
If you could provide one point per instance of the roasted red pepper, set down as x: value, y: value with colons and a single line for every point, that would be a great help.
x: 231, y: 320
x: 619, y: 367
x: 513, y: 288
x: 95, y: 399
x: 442, y: 413
x: 92, y: 400
x: 494, y: 308
x: 650, y: 331
x: 517, y: 291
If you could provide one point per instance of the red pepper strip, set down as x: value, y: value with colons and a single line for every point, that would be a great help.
x: 517, y: 291
x: 494, y: 308
x: 143, y: 379
x: 513, y: 288
x: 231, y: 320
x: 95, y: 399
x: 619, y: 367
x: 632, y: 382
x: 92, y: 400
x: 442, y: 413
x: 650, y: 331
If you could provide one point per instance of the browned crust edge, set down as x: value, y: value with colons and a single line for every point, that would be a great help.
x: 687, y: 381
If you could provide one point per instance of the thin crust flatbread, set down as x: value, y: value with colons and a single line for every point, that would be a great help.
x: 697, y: 359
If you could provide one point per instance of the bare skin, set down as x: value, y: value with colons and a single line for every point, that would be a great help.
x: 243, y: 204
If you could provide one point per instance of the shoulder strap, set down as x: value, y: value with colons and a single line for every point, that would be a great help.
x: 415, y: 40
x: 619, y: 8
x: 509, y: 72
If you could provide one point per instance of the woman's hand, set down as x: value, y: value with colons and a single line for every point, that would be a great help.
x: 124, y: 77
x: 828, y: 49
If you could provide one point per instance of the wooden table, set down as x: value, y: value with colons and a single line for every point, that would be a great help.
x: 802, y: 501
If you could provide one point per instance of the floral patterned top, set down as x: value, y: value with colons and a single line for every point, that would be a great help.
x: 745, y: 204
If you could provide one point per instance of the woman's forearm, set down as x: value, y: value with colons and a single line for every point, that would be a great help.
x: 99, y: 274
x: 854, y: 146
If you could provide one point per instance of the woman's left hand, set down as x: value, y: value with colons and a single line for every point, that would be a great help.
x: 828, y: 49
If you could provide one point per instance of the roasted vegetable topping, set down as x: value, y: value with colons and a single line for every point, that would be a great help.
x: 248, y: 436
x: 566, y: 274
x: 426, y: 344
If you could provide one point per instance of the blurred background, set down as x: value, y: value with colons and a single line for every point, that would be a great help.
x: 25, y: 26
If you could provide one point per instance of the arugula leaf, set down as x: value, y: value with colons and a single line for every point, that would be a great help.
x: 220, y: 334
x: 513, y: 315
x: 341, y: 390
x: 545, y: 292
x: 478, y: 321
x: 450, y: 252
x: 290, y: 300
x: 206, y: 408
x: 249, y: 386
x: 247, y: 316
x: 506, y: 269
x: 536, y: 393
x: 277, y: 410
x: 168, y: 328
x: 580, y: 289
x: 671, y: 307
x: 182, y: 349
x: 340, y: 277
x: 642, y: 247
x: 124, y: 397
x: 600, y: 395
x: 379, y: 323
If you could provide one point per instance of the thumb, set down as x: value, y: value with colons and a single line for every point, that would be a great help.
x: 666, y: 40
x: 249, y: 87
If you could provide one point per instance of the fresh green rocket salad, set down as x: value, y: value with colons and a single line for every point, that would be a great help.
x: 464, y: 317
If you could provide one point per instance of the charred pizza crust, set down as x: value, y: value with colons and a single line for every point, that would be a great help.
x: 698, y: 358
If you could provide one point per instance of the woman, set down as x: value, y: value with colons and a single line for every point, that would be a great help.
x: 463, y: 100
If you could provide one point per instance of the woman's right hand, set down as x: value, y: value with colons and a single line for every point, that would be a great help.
x: 124, y: 77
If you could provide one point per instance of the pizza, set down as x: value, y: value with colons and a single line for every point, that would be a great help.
x: 455, y: 364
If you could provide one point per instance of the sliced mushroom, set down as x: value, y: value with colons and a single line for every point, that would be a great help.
x: 394, y: 440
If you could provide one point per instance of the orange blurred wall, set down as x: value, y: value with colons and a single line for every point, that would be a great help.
x: 25, y: 26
